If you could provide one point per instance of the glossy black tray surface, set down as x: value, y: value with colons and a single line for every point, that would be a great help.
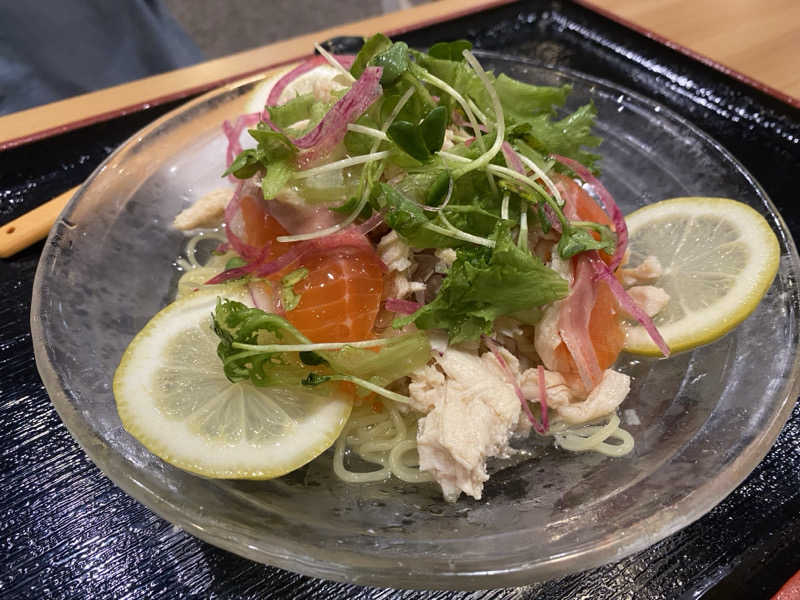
x: 67, y: 532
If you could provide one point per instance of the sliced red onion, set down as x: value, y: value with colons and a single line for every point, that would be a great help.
x: 573, y: 322
x: 603, y: 272
x: 301, y: 217
x: 333, y: 127
x: 570, y: 210
x: 462, y: 122
x: 346, y: 60
x: 233, y: 132
x: 294, y: 253
x: 443, y: 205
x: 228, y: 275
x: 405, y: 307
x: 371, y: 223
x: 261, y: 298
x: 543, y: 398
x: 350, y: 237
x: 552, y: 217
x: 512, y: 158
x: 609, y: 205
x: 242, y: 271
x: 539, y: 427
x: 222, y: 248
x: 234, y: 225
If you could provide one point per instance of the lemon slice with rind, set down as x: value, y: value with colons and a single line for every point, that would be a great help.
x: 173, y: 396
x: 719, y: 257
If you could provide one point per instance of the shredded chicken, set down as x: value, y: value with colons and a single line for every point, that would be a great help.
x: 517, y: 339
x: 558, y: 393
x: 648, y: 271
x: 475, y: 413
x: 208, y: 211
x: 546, y: 337
x: 425, y: 387
x: 394, y: 252
x: 399, y: 260
x: 602, y: 400
x: 399, y: 286
x: 651, y: 299
x: 446, y: 257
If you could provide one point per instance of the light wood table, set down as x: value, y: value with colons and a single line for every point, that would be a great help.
x: 757, y: 41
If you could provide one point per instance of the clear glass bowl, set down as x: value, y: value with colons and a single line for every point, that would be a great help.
x: 707, y: 417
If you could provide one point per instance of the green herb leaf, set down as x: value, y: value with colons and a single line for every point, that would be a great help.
x: 245, y: 165
x: 393, y: 60
x: 432, y: 128
x: 450, y: 50
x: 409, y: 112
x: 409, y: 139
x: 349, y: 206
x: 235, y: 263
x: 278, y: 175
x: 299, y: 108
x: 437, y: 191
x: 408, y: 219
x: 361, y: 143
x: 272, y: 145
x: 235, y: 322
x: 372, y: 46
x: 289, y: 297
x: 567, y: 136
x: 579, y: 238
x: 522, y: 101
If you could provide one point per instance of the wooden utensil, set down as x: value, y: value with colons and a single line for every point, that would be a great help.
x: 32, y: 226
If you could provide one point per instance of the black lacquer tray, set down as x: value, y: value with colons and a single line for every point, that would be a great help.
x: 67, y: 532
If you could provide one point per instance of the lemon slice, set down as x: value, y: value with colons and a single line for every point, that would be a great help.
x: 173, y: 396
x: 719, y: 257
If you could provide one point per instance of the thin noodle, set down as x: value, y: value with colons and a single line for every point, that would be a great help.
x: 401, y: 470
x: 595, y: 438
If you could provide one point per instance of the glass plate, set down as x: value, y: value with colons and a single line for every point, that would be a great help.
x: 706, y: 417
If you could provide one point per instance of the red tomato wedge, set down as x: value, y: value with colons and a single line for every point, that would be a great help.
x: 340, y: 297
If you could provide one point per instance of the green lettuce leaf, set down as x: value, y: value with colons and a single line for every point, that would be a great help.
x: 450, y: 50
x: 567, y: 136
x: 484, y: 284
x: 398, y: 358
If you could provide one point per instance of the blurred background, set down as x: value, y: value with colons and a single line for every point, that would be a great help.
x: 54, y: 49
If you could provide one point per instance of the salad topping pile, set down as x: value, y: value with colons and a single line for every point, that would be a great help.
x: 425, y: 243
